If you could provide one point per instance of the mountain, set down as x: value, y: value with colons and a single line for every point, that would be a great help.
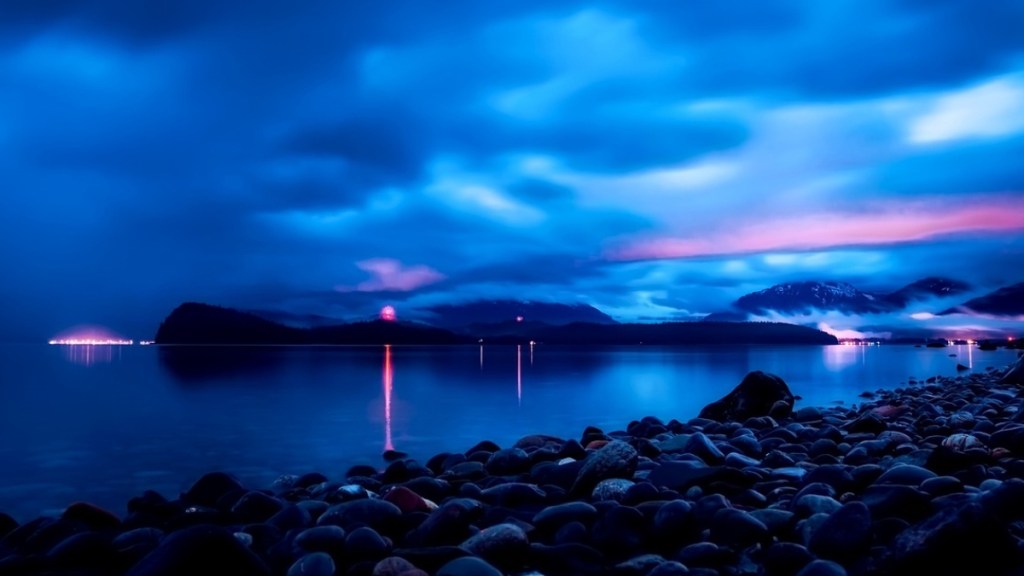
x: 488, y: 312
x: 795, y: 297
x: 1007, y: 301
x: 926, y: 288
x: 196, y: 323
x: 193, y: 323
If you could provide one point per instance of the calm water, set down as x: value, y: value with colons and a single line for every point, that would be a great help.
x: 104, y: 424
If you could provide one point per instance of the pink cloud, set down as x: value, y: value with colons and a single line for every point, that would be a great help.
x: 390, y: 274
x: 893, y: 224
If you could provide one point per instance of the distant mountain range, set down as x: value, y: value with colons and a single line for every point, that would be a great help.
x: 803, y: 297
x: 194, y: 323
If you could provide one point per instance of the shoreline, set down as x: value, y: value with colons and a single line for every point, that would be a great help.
x: 872, y: 489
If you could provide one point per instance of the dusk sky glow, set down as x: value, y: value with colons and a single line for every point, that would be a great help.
x: 656, y: 160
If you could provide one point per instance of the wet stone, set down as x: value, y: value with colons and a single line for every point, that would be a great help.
x: 507, y: 462
x: 670, y: 568
x: 611, y: 489
x: 822, y: 568
x: 616, y: 459
x: 786, y: 558
x: 92, y: 516
x: 905, y: 474
x: 552, y: 517
x: 329, y: 539
x: 503, y: 545
x: 468, y: 566
x: 210, y: 488
x: 364, y: 543
x: 810, y: 504
x: 777, y: 521
x: 315, y: 564
x: 702, y: 447
x: 378, y: 514
x: 702, y: 554
x: 736, y: 528
x: 200, y: 550
x: 845, y: 534
x: 639, y: 565
x: 256, y: 506
x: 393, y: 566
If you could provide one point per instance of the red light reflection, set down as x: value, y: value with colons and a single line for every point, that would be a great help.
x: 388, y: 381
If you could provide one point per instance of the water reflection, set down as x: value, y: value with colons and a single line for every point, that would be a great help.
x: 840, y: 357
x: 388, y: 379
x: 90, y: 354
x: 519, y: 372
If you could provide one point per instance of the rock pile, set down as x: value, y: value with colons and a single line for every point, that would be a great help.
x: 920, y: 480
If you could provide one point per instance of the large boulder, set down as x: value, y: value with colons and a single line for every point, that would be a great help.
x: 759, y: 394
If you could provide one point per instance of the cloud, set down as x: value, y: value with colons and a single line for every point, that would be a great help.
x: 391, y: 275
x: 192, y: 150
x: 893, y: 224
x: 988, y: 110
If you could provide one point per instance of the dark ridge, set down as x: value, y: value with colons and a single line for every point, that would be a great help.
x: 1007, y: 301
x: 926, y: 288
x: 795, y: 297
x: 193, y: 323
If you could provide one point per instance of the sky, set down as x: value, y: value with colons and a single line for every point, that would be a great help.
x: 654, y: 159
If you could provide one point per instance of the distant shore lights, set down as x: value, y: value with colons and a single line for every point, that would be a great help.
x: 89, y: 345
x: 89, y: 336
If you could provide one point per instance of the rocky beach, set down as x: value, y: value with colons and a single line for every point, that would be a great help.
x: 925, y: 479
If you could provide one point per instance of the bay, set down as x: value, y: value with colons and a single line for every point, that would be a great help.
x: 103, y: 424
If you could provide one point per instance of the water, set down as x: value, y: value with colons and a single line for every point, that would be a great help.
x: 104, y: 424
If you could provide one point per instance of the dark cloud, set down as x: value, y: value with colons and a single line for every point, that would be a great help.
x: 841, y: 49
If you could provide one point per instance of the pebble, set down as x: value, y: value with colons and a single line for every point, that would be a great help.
x: 882, y: 487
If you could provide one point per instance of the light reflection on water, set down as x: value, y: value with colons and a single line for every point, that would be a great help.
x: 388, y: 379
x: 90, y: 354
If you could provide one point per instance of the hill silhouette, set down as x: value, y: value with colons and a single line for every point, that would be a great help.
x: 195, y: 323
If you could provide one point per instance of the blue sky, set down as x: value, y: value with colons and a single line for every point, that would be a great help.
x: 655, y: 159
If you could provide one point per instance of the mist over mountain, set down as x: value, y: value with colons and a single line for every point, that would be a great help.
x: 796, y: 297
x: 1007, y: 301
x: 803, y: 297
x: 931, y: 307
x: 927, y: 288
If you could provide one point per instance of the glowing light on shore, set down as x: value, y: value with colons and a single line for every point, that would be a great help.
x: 89, y: 336
x: 388, y: 381
x: 89, y: 342
x: 388, y: 314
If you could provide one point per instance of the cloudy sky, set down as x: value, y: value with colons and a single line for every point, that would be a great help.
x: 656, y: 159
